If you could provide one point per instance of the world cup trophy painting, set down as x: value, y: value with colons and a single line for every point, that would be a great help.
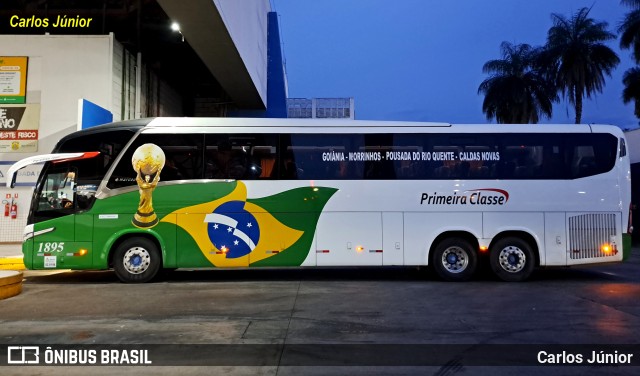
x: 148, y: 160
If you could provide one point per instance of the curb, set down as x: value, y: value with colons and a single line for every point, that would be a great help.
x: 11, y: 263
x: 10, y: 283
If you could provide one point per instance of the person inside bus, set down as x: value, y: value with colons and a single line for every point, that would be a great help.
x: 289, y: 169
x: 462, y: 169
x: 225, y: 164
x: 170, y: 171
x: 52, y: 201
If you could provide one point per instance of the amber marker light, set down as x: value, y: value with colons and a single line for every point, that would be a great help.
x: 224, y: 249
x: 605, y: 248
x: 81, y: 252
x: 359, y: 248
x: 484, y: 248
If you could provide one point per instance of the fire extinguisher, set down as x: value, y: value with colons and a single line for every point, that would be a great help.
x: 14, y: 210
x: 6, y: 207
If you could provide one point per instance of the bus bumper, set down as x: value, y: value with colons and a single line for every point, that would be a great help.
x: 27, y: 253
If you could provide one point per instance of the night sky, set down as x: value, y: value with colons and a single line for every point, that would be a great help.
x: 421, y: 60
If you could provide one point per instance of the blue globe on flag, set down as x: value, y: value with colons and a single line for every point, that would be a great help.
x: 232, y: 229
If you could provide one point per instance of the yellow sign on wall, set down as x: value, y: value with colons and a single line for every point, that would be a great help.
x: 13, y: 79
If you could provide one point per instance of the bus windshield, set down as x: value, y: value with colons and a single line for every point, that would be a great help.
x: 58, y: 191
x: 67, y: 187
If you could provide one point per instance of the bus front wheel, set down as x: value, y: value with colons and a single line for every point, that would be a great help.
x: 136, y: 260
x: 512, y: 259
x: 455, y: 259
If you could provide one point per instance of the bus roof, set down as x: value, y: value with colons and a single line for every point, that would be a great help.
x: 250, y: 125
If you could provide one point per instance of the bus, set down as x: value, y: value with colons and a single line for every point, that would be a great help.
x: 165, y: 193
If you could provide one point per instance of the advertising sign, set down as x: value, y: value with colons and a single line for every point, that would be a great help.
x: 13, y: 79
x: 19, y: 126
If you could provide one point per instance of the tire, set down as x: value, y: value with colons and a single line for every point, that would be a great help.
x: 512, y: 259
x: 455, y: 259
x: 136, y: 260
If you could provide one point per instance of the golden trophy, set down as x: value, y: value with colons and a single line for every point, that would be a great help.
x: 148, y: 160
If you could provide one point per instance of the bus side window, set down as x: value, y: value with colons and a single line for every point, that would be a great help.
x: 289, y: 168
x: 240, y: 156
x: 222, y: 162
x: 263, y: 162
x: 584, y: 163
x: 171, y: 171
x: 267, y: 167
x: 183, y: 159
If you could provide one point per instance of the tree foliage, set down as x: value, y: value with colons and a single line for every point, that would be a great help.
x: 516, y: 91
x: 581, y: 59
x: 629, y: 31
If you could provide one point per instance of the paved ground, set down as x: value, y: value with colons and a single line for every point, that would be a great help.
x: 330, y: 309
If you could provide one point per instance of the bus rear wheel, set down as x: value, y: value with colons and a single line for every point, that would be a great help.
x: 136, y: 260
x: 455, y: 259
x: 512, y: 259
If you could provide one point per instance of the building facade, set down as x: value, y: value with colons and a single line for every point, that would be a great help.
x: 129, y: 60
x: 321, y: 108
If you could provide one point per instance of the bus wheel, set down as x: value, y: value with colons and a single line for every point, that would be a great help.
x: 454, y: 259
x: 136, y: 260
x: 512, y: 259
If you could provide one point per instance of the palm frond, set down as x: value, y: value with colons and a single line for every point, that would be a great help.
x: 631, y: 3
x: 516, y: 90
x: 579, y: 58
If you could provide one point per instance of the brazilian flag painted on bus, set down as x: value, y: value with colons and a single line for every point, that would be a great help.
x: 232, y: 229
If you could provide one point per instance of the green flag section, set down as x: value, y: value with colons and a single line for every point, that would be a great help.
x: 299, y: 209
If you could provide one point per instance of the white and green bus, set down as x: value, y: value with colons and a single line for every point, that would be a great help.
x: 170, y: 193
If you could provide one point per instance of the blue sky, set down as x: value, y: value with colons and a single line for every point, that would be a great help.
x: 421, y: 60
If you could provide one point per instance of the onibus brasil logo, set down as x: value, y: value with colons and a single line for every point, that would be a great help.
x: 482, y: 196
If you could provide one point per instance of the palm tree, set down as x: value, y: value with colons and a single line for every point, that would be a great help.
x: 629, y: 31
x: 516, y: 92
x: 631, y: 92
x: 580, y: 58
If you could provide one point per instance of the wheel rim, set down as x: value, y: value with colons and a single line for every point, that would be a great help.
x: 136, y: 260
x: 455, y: 259
x: 512, y: 259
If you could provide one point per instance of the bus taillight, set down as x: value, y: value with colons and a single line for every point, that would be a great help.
x: 608, y: 248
